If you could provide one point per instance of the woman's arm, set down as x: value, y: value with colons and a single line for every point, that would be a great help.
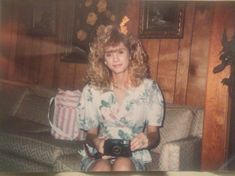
x: 95, y: 141
x: 148, y: 140
x: 153, y: 136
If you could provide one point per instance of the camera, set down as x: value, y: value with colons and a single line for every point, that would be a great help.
x: 117, y: 147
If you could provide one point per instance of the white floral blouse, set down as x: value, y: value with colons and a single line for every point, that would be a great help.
x: 143, y: 105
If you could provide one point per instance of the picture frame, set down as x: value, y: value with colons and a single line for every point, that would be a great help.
x: 43, y: 22
x: 161, y: 19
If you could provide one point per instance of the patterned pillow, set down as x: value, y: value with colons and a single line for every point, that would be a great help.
x: 176, y: 125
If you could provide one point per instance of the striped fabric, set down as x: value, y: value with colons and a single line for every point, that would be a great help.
x: 64, y: 124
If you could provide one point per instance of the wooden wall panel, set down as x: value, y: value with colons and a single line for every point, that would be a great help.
x: 35, y: 60
x: 80, y: 74
x: 21, y: 44
x: 167, y: 65
x: 3, y: 66
x: 152, y: 49
x: 10, y: 28
x: 184, y: 56
x: 5, y: 37
x: 64, y: 75
x: 132, y: 11
x: 199, y: 54
x: 47, y: 64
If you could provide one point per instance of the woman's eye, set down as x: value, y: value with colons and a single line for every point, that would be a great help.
x: 108, y: 55
x: 121, y: 51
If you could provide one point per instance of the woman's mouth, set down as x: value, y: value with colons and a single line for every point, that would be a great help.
x: 117, y: 65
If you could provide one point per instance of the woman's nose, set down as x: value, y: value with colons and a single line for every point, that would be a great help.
x: 115, y: 57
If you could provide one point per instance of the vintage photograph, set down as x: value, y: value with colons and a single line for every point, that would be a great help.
x: 117, y: 87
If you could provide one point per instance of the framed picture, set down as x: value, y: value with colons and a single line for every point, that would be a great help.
x: 161, y: 19
x: 43, y: 18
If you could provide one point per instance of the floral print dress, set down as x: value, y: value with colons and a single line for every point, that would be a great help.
x: 142, y: 105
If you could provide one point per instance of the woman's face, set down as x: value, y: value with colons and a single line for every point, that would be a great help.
x: 117, y: 58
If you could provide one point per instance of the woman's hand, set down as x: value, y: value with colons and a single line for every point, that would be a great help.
x: 99, y: 144
x: 147, y: 140
x: 96, y: 141
x: 140, y: 141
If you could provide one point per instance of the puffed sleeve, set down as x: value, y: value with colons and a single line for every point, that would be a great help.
x: 155, y: 104
x: 87, y: 111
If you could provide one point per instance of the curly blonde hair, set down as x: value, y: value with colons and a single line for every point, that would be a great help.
x: 98, y: 73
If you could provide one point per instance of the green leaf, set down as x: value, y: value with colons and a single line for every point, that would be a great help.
x: 105, y: 103
x: 123, y: 135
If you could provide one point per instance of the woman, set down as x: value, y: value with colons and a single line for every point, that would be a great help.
x: 119, y: 102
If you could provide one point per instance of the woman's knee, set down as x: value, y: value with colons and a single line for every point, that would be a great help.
x: 100, y: 165
x: 123, y: 164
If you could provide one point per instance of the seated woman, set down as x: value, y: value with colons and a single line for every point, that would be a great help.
x: 119, y: 102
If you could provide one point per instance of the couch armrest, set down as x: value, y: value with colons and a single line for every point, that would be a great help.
x: 183, y: 154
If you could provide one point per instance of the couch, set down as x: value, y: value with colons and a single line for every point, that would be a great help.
x: 26, y: 144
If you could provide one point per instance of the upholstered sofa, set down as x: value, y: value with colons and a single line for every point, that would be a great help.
x: 26, y: 143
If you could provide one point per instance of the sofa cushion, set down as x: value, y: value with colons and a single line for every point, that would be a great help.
x: 176, y: 125
x: 13, y: 163
x: 154, y: 165
x: 34, y: 107
x: 197, y: 123
x: 39, y: 147
x: 22, y: 125
x: 11, y: 95
x: 43, y: 92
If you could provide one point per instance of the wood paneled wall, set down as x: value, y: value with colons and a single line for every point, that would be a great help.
x: 178, y: 65
x: 217, y: 118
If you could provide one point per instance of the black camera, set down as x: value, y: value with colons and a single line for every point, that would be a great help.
x: 117, y: 147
